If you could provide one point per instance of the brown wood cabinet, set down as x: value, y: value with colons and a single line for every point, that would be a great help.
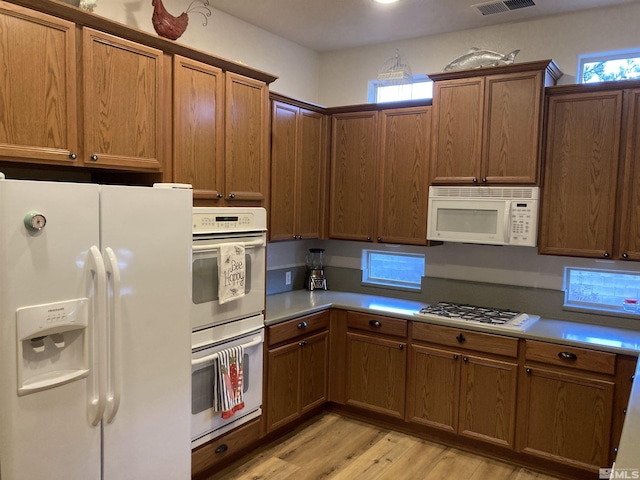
x: 38, y: 97
x: 297, y: 361
x: 198, y: 127
x: 461, y: 391
x: 591, y: 181
x: 298, y: 166
x: 566, y: 403
x: 123, y: 103
x: 380, y: 175
x: 246, y: 141
x: 219, y: 135
x: 487, y: 127
x: 376, y: 363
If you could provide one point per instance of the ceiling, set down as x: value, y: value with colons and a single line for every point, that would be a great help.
x: 326, y: 25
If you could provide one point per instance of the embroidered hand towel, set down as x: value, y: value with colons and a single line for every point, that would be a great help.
x: 231, y: 272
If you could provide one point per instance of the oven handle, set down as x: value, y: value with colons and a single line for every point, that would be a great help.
x: 208, y: 358
x: 213, y: 246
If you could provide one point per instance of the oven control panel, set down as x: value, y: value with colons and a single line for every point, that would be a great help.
x: 228, y: 219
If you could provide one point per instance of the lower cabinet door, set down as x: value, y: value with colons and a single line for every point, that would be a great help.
x: 488, y: 390
x: 434, y: 388
x: 314, y: 373
x: 567, y: 417
x: 376, y: 372
x: 283, y: 385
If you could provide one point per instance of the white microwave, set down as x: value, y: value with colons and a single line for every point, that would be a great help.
x: 485, y: 215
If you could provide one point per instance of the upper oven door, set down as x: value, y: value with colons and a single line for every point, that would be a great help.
x: 206, y: 310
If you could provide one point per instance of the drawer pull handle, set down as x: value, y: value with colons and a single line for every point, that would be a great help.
x: 302, y: 325
x: 303, y: 343
x: 222, y: 448
x: 460, y: 338
x: 567, y: 356
x: 375, y: 323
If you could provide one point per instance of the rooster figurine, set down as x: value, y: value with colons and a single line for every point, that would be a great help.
x: 168, y: 26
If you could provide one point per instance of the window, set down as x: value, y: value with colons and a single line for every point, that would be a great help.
x: 400, y: 270
x: 609, y: 66
x: 607, y: 290
x: 421, y: 87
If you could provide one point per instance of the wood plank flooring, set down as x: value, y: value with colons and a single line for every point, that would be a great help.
x: 340, y: 448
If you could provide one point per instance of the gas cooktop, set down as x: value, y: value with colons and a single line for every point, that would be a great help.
x: 496, y: 318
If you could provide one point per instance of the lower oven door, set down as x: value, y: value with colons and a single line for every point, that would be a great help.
x: 206, y: 310
x: 207, y: 423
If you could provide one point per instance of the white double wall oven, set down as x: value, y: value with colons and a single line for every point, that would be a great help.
x: 218, y: 326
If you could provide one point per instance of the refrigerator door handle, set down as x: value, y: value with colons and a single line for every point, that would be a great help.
x: 97, y: 379
x: 113, y: 332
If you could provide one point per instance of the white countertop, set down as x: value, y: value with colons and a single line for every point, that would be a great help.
x: 285, y: 306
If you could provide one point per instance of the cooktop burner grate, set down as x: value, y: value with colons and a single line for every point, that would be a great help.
x: 472, y: 313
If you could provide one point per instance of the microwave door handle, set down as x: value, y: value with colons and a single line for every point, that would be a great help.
x: 208, y: 358
x: 212, y: 246
x: 507, y: 223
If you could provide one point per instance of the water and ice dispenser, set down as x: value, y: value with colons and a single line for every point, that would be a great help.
x: 52, y: 345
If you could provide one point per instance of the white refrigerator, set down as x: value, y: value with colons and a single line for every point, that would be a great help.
x: 95, y: 348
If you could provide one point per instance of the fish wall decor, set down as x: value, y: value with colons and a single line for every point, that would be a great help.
x: 479, y: 58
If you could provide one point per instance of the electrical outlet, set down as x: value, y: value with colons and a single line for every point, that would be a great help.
x: 287, y: 278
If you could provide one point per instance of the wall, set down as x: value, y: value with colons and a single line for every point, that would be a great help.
x: 228, y: 37
x: 344, y: 74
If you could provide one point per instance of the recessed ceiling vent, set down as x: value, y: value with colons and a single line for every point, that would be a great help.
x: 491, y: 8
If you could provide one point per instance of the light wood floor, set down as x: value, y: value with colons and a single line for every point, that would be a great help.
x: 339, y: 448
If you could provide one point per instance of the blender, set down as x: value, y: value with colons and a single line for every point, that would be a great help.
x: 315, y: 274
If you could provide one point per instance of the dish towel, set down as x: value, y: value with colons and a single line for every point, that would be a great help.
x: 231, y: 272
x: 227, y: 387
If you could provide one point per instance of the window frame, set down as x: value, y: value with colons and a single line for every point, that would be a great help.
x: 368, y: 280
x: 374, y: 85
x: 595, y: 57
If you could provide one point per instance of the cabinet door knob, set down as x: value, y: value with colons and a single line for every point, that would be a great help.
x: 379, y: 239
x: 460, y: 338
x: 625, y: 255
x: 465, y: 359
x: 484, y: 180
x: 567, y: 356
x: 475, y: 180
x: 303, y: 324
x: 528, y: 370
x: 232, y: 195
x: 368, y: 239
x: 455, y: 356
x: 606, y: 254
x: 73, y: 156
x: 400, y: 346
x: 219, y: 195
x: 375, y: 323
x: 94, y: 158
x: 222, y: 448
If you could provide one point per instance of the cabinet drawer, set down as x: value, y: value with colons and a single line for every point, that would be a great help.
x: 209, y: 454
x: 465, y: 339
x: 572, y: 357
x: 285, y: 331
x: 376, y: 323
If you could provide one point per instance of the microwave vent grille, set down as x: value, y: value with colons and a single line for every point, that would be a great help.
x: 510, y: 193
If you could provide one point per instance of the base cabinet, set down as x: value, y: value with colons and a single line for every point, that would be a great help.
x: 297, y: 368
x: 376, y: 364
x: 462, y: 391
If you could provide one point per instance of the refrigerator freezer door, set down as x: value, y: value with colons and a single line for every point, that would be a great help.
x: 45, y: 434
x: 148, y: 232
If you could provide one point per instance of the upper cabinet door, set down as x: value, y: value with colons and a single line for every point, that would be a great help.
x: 354, y: 166
x: 198, y: 128
x: 511, y: 146
x: 123, y: 103
x: 630, y: 209
x: 581, y: 170
x: 457, y: 130
x: 405, y: 135
x: 246, y: 139
x: 38, y: 120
